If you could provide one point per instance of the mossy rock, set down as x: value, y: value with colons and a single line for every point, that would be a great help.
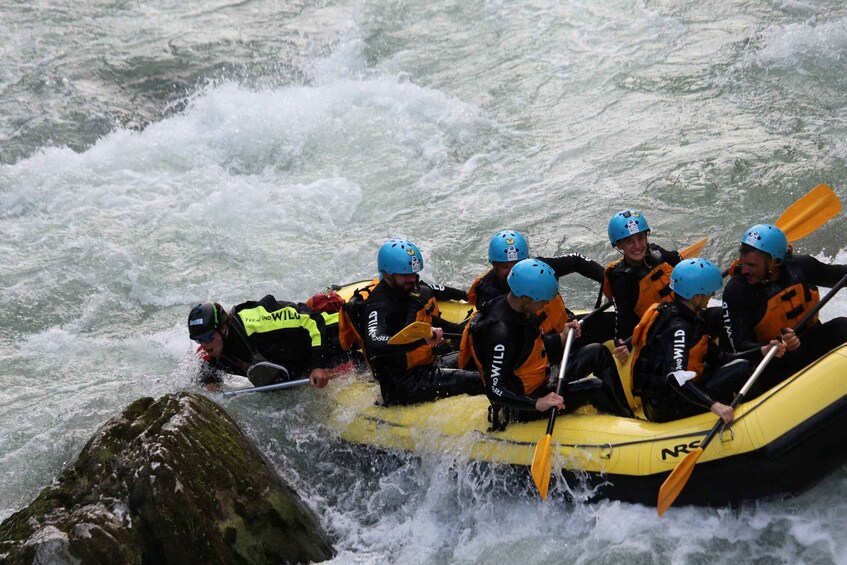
x: 168, y: 481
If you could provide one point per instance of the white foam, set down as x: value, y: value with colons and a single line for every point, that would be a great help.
x: 802, y: 47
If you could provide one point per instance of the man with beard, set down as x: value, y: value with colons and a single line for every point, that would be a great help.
x: 407, y: 373
x: 770, y: 291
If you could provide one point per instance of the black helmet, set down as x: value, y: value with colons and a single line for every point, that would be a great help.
x: 205, y: 319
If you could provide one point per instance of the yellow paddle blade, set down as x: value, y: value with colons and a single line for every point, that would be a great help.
x: 694, y: 249
x: 675, y: 482
x: 542, y: 465
x: 809, y: 213
x: 412, y: 332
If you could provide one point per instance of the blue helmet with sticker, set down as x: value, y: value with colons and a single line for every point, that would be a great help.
x: 399, y: 256
x: 506, y: 246
x: 626, y: 223
x: 767, y: 238
x: 691, y: 277
x: 533, y: 278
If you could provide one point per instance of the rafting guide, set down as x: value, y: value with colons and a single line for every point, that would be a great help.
x: 264, y: 330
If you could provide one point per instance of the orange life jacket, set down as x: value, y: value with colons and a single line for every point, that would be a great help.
x: 652, y: 288
x: 553, y: 317
x: 466, y: 352
x: 472, y: 289
x: 532, y: 372
x: 347, y: 333
x: 425, y: 354
x: 639, y: 339
x: 785, y: 309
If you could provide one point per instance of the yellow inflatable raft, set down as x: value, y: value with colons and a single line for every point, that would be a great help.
x: 781, y: 442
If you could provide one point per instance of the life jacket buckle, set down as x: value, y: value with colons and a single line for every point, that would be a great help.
x: 494, y: 416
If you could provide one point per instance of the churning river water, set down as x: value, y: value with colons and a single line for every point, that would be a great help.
x: 157, y: 154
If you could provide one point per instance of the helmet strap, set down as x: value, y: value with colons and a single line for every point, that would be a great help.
x: 773, y: 270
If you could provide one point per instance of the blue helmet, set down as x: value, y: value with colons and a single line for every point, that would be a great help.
x: 626, y: 223
x: 533, y: 278
x: 507, y: 245
x: 691, y: 277
x: 767, y: 238
x: 399, y: 256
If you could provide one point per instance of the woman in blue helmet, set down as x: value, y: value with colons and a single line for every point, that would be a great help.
x: 770, y: 290
x: 514, y: 355
x: 677, y: 369
x: 407, y: 373
x: 639, y: 278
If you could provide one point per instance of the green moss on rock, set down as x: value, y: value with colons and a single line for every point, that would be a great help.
x: 168, y: 481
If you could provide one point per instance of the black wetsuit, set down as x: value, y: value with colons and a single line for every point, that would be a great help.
x: 299, y: 347
x: 624, y: 280
x: 503, y: 340
x: 385, y: 312
x: 670, y: 338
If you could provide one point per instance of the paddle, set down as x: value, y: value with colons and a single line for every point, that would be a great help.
x: 809, y: 213
x: 267, y: 388
x: 675, y: 482
x: 542, y: 460
x: 264, y: 372
x: 415, y: 331
x: 694, y: 249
